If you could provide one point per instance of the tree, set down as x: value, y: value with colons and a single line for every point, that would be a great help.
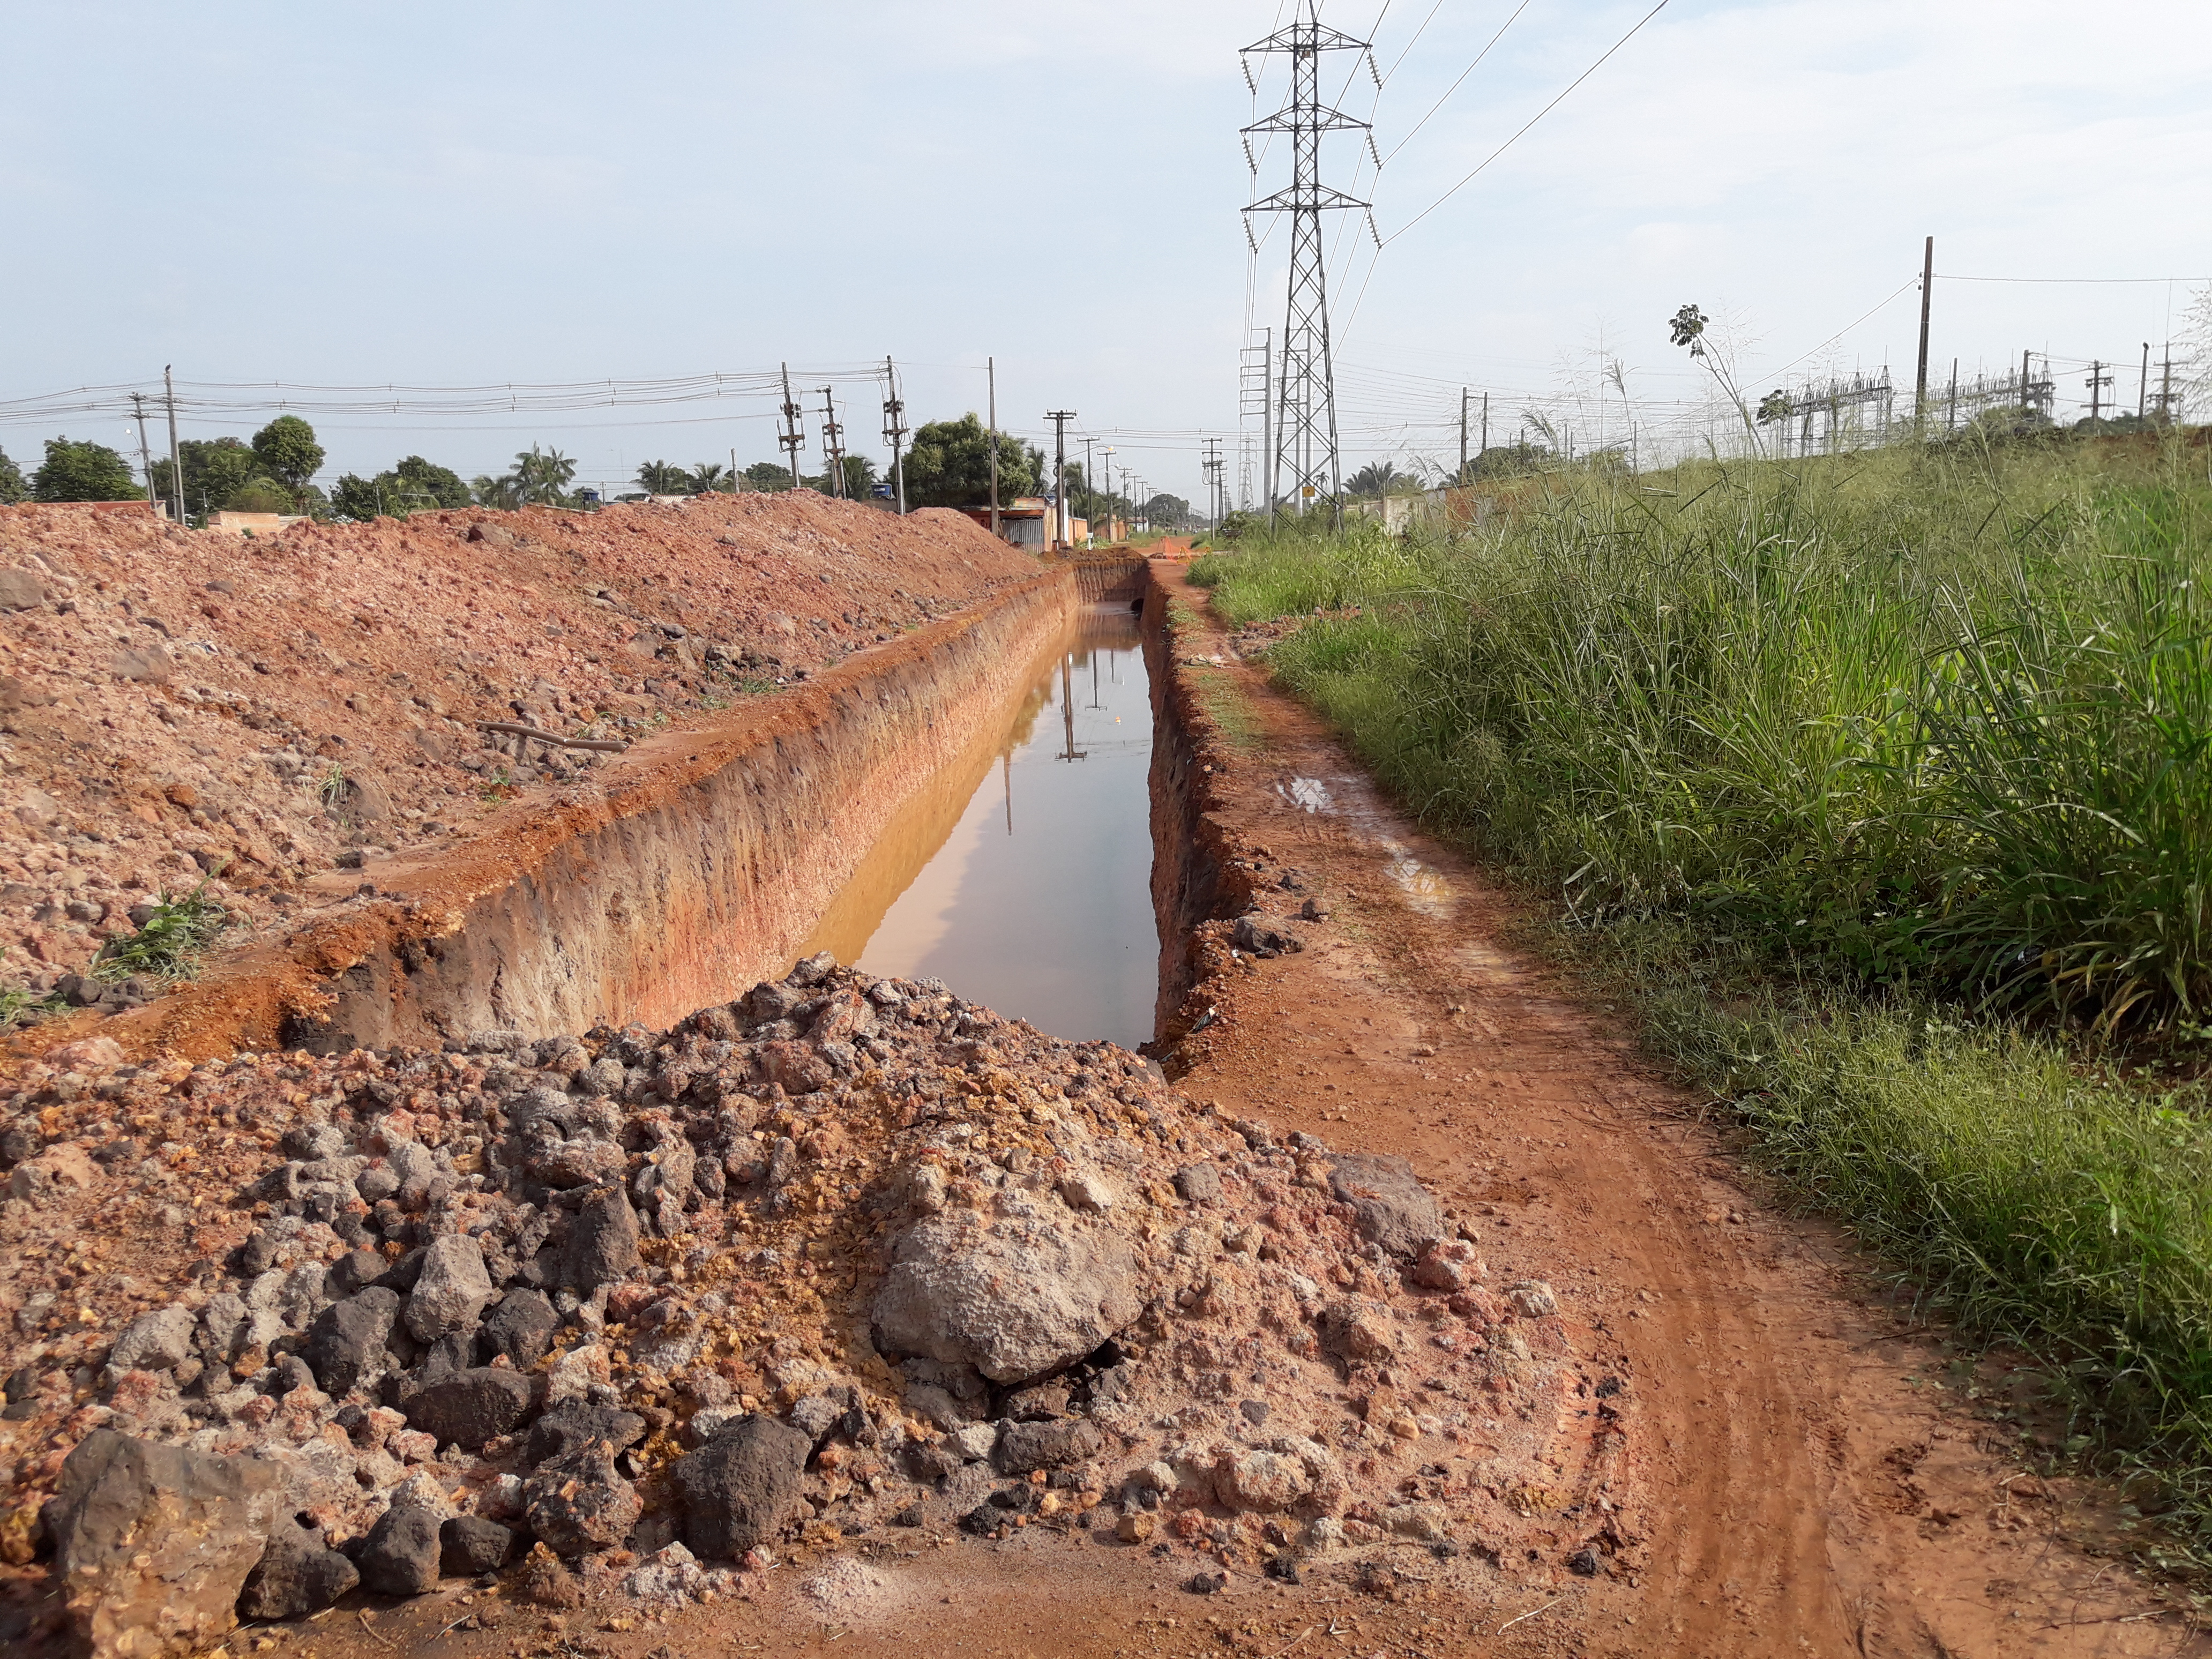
x: 1687, y: 328
x: 541, y: 475
x: 767, y: 477
x: 82, y: 473
x: 663, y: 478
x: 506, y: 492
x: 215, y: 470
x: 1375, y: 479
x: 1165, y: 511
x: 708, y: 478
x: 1509, y: 460
x: 415, y: 485
x: 12, y: 487
x: 288, y: 452
x: 859, y: 478
x: 949, y: 465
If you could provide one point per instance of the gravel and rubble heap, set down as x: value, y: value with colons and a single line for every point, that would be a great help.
x: 847, y: 1264
x: 180, y: 705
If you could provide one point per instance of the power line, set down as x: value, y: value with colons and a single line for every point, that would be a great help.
x: 1525, y: 126
x: 1455, y: 86
x: 1945, y: 276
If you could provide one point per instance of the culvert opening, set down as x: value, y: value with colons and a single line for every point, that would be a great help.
x: 1021, y: 874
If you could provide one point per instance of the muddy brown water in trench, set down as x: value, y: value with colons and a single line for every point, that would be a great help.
x: 1021, y: 876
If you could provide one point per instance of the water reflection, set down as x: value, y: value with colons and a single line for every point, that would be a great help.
x: 1022, y: 877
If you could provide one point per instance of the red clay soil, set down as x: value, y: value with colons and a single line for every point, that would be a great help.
x: 1800, y: 1467
x: 174, y: 702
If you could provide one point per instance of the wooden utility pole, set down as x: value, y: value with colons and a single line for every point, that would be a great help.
x: 176, y: 462
x: 1927, y: 296
x: 991, y: 368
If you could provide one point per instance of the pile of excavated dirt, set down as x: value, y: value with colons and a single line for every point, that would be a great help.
x: 639, y: 1316
x: 176, y: 703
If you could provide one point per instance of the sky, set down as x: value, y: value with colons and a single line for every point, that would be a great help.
x: 494, y: 194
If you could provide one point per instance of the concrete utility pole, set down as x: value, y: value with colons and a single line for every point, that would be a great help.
x: 1305, y: 434
x: 145, y: 455
x: 1927, y: 294
x: 1063, y: 532
x: 991, y: 368
x: 2099, y: 380
x: 832, y: 453
x: 794, y: 436
x: 1090, y: 489
x: 1108, y: 452
x: 895, y: 432
x: 2142, y: 387
x: 176, y: 462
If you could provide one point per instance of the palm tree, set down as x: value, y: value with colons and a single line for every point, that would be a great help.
x: 503, y: 493
x: 663, y: 478
x: 541, y: 475
x: 709, y: 478
x: 1373, y: 479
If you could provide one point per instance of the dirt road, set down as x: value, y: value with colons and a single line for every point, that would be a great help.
x: 1813, y: 1475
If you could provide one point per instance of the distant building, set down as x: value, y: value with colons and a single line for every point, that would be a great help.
x: 1026, y: 521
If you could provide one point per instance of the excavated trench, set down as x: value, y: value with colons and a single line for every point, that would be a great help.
x: 995, y: 800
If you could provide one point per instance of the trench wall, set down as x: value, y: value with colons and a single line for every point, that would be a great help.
x: 700, y: 871
x: 1195, y: 878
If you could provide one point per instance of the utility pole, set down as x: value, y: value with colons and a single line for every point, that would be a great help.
x: 1091, y: 509
x: 2023, y: 381
x: 176, y: 463
x: 1108, y: 452
x: 737, y: 478
x: 1485, y: 429
x: 895, y: 432
x: 832, y: 453
x: 1305, y: 436
x: 1927, y: 295
x: 2142, y: 387
x: 1210, y: 465
x: 794, y: 436
x: 2099, y: 380
x: 1063, y: 532
x: 991, y: 368
x: 1461, y: 479
x: 145, y: 455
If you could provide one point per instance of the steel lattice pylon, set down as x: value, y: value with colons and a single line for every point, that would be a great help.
x: 1304, y: 459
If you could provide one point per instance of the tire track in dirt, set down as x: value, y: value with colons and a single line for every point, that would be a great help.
x: 1797, y: 1480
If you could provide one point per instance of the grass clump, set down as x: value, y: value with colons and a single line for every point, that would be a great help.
x: 1882, y: 784
x: 170, y: 945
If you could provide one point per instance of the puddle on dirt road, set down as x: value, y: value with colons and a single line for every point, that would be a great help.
x: 1352, y: 800
x: 1022, y: 877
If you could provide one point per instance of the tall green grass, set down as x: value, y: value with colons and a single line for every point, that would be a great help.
x: 1905, y: 753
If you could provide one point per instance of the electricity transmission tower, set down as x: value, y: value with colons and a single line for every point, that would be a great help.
x: 1305, y: 450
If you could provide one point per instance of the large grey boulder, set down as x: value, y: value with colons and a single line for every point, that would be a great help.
x: 297, y: 1574
x: 1390, y: 1208
x: 450, y: 1294
x: 400, y: 1555
x: 155, y: 1341
x: 346, y: 1344
x: 1014, y: 1297
x: 522, y: 1328
x: 602, y: 1243
x: 741, y: 1486
x: 465, y: 1408
x: 579, y: 1503
x: 152, y: 1543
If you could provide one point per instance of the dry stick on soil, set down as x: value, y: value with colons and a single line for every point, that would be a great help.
x: 605, y: 745
x: 1531, y: 1614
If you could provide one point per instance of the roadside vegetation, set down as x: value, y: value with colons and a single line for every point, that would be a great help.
x: 1882, y: 785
